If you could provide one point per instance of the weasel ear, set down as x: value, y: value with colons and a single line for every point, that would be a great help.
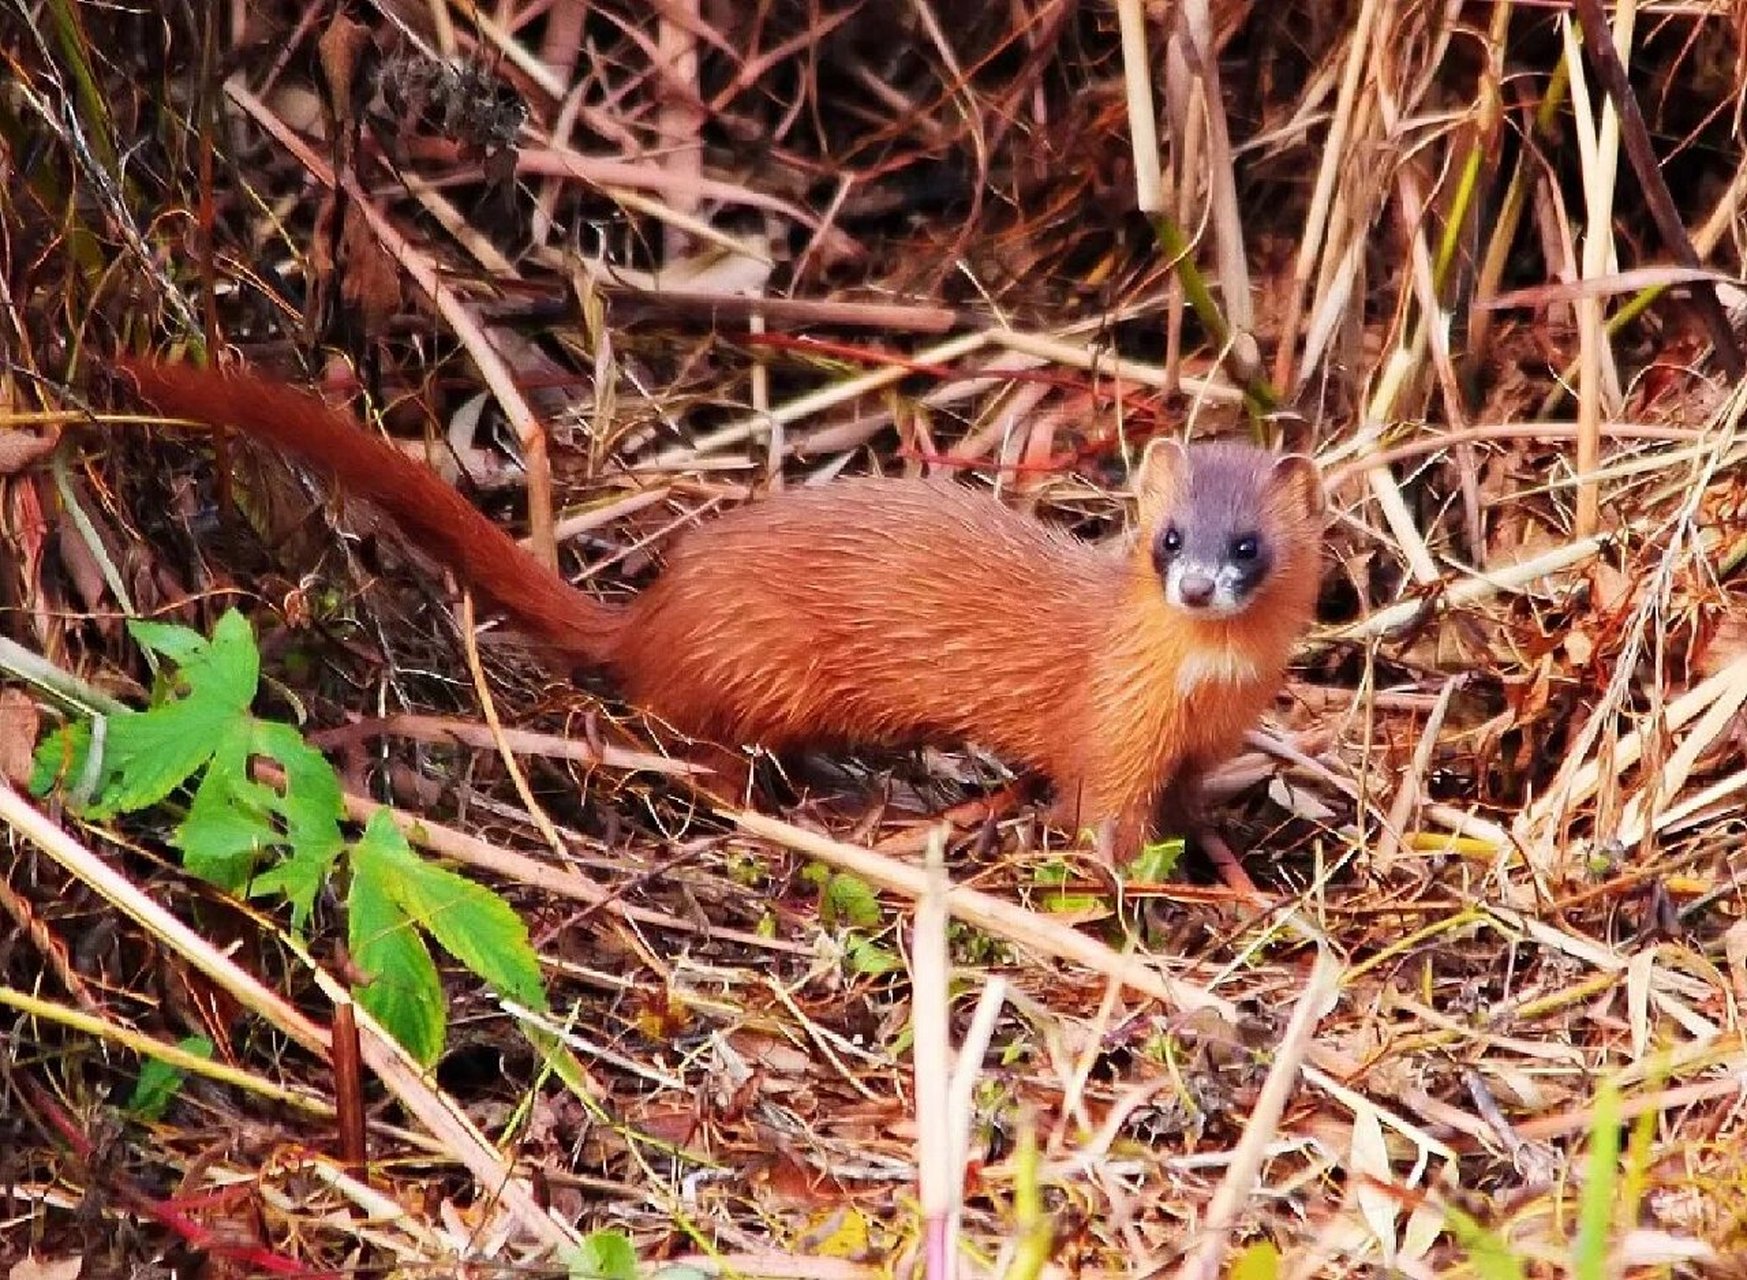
x: 1298, y: 475
x: 1161, y: 468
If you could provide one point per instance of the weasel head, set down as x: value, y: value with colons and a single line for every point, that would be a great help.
x: 1225, y: 522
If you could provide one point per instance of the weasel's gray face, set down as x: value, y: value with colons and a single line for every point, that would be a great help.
x: 1212, y: 549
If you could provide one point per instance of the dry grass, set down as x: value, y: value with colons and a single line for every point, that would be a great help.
x: 1494, y: 826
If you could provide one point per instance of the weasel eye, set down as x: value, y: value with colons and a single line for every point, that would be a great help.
x: 1245, y: 548
x: 1172, y: 542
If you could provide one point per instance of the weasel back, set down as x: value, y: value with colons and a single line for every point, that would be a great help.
x: 873, y: 610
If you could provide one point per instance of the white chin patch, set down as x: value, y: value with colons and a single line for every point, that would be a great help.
x: 1225, y: 602
x: 1213, y: 667
x: 1223, y: 605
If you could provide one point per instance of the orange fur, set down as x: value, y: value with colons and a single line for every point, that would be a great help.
x: 876, y: 611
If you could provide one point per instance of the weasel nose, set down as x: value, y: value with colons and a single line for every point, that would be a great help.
x: 1195, y: 589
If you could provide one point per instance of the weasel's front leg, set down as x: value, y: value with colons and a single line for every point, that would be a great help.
x: 1182, y: 807
x: 1119, y: 815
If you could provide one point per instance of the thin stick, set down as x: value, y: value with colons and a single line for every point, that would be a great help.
x: 1602, y: 158
x: 1310, y: 243
x: 937, y: 1174
x: 983, y: 911
x: 1137, y: 83
x: 1320, y: 993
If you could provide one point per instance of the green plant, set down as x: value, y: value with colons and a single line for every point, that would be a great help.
x: 848, y: 902
x: 198, y: 738
x: 159, y: 1082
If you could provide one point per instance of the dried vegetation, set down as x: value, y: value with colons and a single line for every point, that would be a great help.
x: 666, y: 256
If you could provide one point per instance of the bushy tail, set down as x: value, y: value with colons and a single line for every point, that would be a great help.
x: 437, y: 517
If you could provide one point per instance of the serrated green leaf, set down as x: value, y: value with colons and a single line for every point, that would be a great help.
x: 223, y: 838
x: 159, y: 1082
x: 308, y: 811
x: 850, y: 900
x: 59, y: 759
x: 403, y: 992
x: 151, y: 753
x: 225, y: 670
x: 181, y: 645
x: 603, y: 1255
x: 313, y: 803
x: 468, y: 920
x: 237, y: 833
x: 234, y: 821
x: 299, y: 877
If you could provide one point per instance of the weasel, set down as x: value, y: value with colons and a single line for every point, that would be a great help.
x: 897, y: 612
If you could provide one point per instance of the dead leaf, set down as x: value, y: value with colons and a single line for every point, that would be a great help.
x: 1735, y: 951
x: 33, y: 1268
x: 1425, y: 1222
x: 19, y: 449
x: 1368, y: 1159
x: 82, y: 566
x: 1725, y: 644
x: 344, y: 53
x: 1610, y: 590
x: 19, y: 723
x: 369, y: 277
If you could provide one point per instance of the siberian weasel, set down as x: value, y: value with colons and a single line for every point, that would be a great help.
x: 901, y: 611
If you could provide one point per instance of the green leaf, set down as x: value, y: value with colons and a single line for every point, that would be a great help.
x: 1054, y: 876
x: 1072, y: 903
x: 60, y: 758
x: 308, y: 814
x: 299, y: 877
x: 871, y: 960
x: 313, y: 803
x: 1158, y: 861
x: 1491, y: 1256
x: 226, y: 831
x: 468, y: 920
x: 149, y: 754
x: 603, y: 1255
x: 159, y: 1082
x: 234, y: 821
x: 227, y: 668
x: 181, y: 645
x: 1596, y: 1207
x: 850, y: 900
x: 252, y: 838
x: 1055, y: 871
x: 403, y: 992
